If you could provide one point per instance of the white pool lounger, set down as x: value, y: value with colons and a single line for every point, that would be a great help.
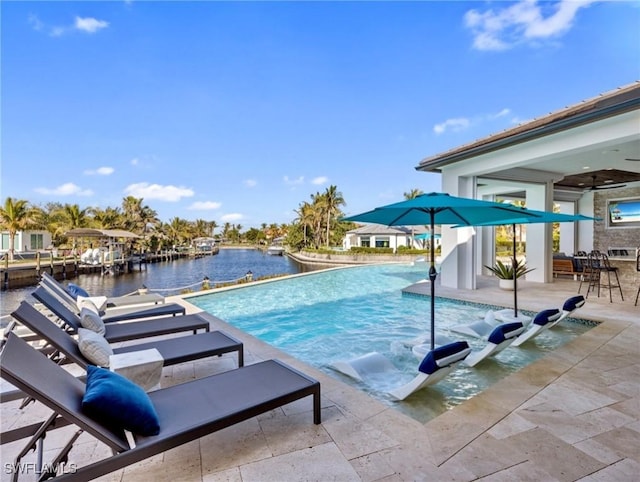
x: 435, y: 366
x: 500, y: 338
x: 542, y: 321
x: 478, y: 329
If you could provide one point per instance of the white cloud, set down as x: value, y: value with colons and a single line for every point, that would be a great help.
x: 66, y: 189
x: 250, y: 182
x: 205, y: 205
x: 135, y: 161
x: 156, y: 191
x: 320, y: 180
x: 228, y: 218
x: 35, y: 22
x: 456, y: 125
x: 89, y: 24
x: 502, y: 113
x: 57, y: 31
x: 101, y: 171
x: 526, y: 20
x: 461, y: 123
x: 293, y: 182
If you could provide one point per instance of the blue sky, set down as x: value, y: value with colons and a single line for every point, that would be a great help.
x: 240, y: 111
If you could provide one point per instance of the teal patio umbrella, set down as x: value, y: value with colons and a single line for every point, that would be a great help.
x: 530, y: 216
x: 439, y: 208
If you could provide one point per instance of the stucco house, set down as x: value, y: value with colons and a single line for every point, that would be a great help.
x: 584, y: 158
x: 378, y: 236
x: 26, y: 241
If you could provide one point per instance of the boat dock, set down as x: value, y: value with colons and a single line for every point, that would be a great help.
x: 27, y: 272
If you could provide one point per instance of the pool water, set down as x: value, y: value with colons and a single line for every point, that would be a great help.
x: 333, y: 315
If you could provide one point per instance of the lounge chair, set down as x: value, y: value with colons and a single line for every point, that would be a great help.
x: 541, y: 322
x: 435, y: 366
x: 507, y: 315
x: 132, y: 330
x: 185, y: 412
x: 173, y: 350
x: 501, y: 337
x: 49, y: 299
x: 478, y: 329
x: 109, y: 301
x: 569, y: 306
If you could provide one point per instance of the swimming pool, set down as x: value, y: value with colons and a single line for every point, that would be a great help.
x: 339, y: 314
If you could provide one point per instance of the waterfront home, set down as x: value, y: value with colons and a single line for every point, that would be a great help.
x: 378, y: 236
x: 26, y: 241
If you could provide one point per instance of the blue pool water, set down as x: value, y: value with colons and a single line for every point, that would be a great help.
x: 339, y: 314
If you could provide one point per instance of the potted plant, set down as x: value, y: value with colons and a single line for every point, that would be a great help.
x: 505, y: 272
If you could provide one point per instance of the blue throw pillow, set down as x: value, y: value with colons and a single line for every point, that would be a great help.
x: 75, y: 291
x: 117, y: 402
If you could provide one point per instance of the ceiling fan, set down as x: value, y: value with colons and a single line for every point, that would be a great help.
x: 602, y: 187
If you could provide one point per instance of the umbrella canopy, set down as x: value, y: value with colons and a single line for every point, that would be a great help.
x: 426, y: 236
x: 439, y: 208
x: 531, y: 218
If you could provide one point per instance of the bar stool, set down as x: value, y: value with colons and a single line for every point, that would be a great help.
x: 638, y: 271
x: 592, y: 273
x: 607, y: 269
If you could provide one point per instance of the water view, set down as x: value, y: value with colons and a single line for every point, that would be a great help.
x: 174, y: 276
x: 340, y: 314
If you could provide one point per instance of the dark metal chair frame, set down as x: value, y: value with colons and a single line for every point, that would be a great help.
x: 131, y: 330
x: 173, y: 350
x: 186, y: 411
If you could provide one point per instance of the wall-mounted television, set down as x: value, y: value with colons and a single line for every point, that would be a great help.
x: 623, y: 213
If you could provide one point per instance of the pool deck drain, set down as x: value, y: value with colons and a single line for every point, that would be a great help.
x: 573, y: 415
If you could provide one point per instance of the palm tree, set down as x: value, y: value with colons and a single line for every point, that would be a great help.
x: 16, y: 215
x: 212, y: 225
x: 107, y: 218
x: 201, y: 228
x: 317, y: 203
x: 131, y: 208
x: 73, y: 217
x: 333, y: 199
x: 225, y: 230
x: 178, y: 231
x: 305, y: 219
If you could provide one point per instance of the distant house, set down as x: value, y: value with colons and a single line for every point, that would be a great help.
x: 26, y: 241
x: 378, y: 236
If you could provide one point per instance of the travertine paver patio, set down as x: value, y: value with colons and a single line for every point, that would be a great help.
x: 573, y: 415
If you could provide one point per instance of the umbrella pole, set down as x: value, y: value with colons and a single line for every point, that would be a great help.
x: 515, y: 277
x: 432, y: 278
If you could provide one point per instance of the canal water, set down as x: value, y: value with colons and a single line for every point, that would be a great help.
x: 174, y: 277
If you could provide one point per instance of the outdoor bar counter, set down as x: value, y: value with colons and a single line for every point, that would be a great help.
x: 629, y: 277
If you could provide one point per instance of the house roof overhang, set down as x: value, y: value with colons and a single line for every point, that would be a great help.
x: 560, y: 147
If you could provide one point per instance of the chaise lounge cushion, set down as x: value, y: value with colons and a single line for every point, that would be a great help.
x: 94, y: 347
x: 99, y: 303
x: 113, y: 400
x: 91, y: 320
